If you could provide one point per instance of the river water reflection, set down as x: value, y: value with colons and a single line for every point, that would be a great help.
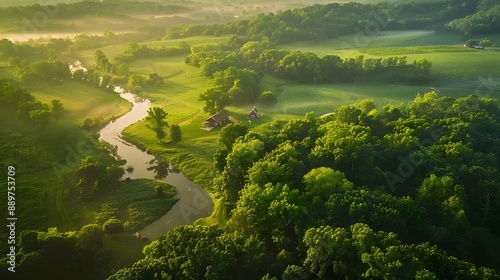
x: 194, y: 202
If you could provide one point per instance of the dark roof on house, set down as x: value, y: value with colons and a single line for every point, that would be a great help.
x: 254, y: 111
x: 219, y: 117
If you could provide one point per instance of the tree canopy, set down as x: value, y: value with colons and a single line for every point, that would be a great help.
x: 156, y: 121
x: 409, y: 191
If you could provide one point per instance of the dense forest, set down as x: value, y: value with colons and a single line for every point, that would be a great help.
x: 21, y: 15
x: 319, y: 22
x: 399, y: 192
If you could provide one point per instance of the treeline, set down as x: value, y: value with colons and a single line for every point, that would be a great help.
x: 28, y: 16
x: 115, y: 71
x: 39, y: 72
x: 8, y: 49
x: 311, y: 69
x: 58, y: 255
x: 21, y: 104
x: 47, y: 16
x: 303, y: 67
x: 84, y: 41
x: 320, y: 22
x: 98, y: 173
x: 230, y: 81
x: 485, y: 20
x: 235, y: 69
x: 64, y: 49
x: 402, y: 192
x: 136, y: 51
x: 358, y: 251
x: 118, y: 64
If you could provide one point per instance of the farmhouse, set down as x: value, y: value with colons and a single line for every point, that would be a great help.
x: 218, y: 119
x: 254, y: 113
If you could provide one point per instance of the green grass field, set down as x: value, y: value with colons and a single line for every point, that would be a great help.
x: 445, y: 50
x: 82, y: 101
x: 87, y: 57
x: 179, y: 97
x: 295, y: 100
x: 135, y: 201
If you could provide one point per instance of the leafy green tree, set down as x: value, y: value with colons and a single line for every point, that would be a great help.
x: 324, y: 181
x: 268, y: 98
x: 90, y: 238
x: 156, y: 121
x: 175, y: 133
x: 293, y: 272
x: 298, y: 130
x: 12, y: 96
x: 201, y: 252
x: 485, y: 43
x: 283, y: 165
x: 7, y: 48
x: 112, y: 226
x: 350, y: 148
x: 348, y: 114
x: 136, y: 81
x: 330, y: 249
x: 123, y: 70
x: 440, y: 193
x: 469, y: 43
x: 271, y: 212
x: 239, y: 160
x: 18, y: 62
x: 44, y: 70
x: 229, y: 133
x: 40, y: 117
x: 421, y: 72
x: 57, y: 108
x: 215, y: 100
x: 366, y: 105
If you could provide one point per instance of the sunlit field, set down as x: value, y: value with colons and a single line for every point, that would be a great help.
x: 82, y: 101
x: 295, y: 100
x: 87, y: 57
x: 445, y: 50
x: 179, y: 97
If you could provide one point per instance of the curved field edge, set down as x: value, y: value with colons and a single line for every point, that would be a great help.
x: 135, y: 202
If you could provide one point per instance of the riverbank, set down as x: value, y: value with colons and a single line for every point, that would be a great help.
x: 193, y: 201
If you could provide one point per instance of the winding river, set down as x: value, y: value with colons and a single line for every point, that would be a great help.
x: 194, y: 202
